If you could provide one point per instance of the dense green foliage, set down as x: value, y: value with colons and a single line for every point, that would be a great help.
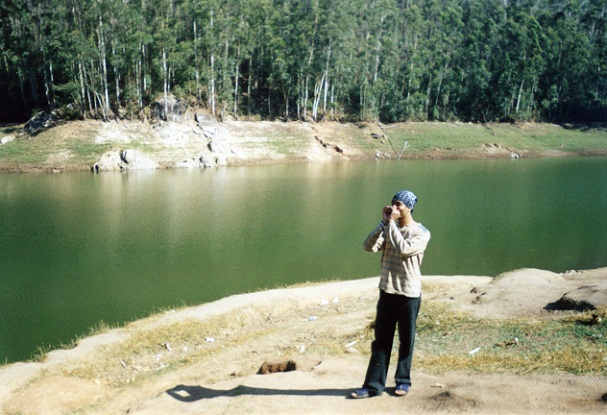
x: 392, y: 60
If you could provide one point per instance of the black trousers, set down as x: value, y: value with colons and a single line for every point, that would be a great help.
x: 392, y: 311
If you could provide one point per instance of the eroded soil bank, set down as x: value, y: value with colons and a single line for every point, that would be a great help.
x: 120, y: 145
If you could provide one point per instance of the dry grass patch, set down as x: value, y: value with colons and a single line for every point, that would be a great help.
x: 237, y: 343
x: 284, y: 330
x: 167, y: 347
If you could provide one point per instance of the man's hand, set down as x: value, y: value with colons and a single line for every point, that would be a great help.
x: 390, y: 213
x: 386, y: 213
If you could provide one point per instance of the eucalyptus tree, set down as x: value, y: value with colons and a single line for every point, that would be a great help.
x: 565, y: 78
x: 375, y: 22
x: 442, y: 45
x: 26, y: 35
x: 477, y: 58
x: 336, y: 58
x: 389, y: 60
x: 412, y: 66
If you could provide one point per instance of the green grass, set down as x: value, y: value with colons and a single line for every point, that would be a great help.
x: 72, y: 146
x: 460, y: 137
x: 23, y: 152
x: 445, y: 340
x: 572, y: 344
x: 39, y: 151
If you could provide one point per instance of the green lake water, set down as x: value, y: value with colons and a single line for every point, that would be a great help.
x: 78, y: 249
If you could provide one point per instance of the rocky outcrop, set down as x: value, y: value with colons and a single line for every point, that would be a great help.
x: 129, y: 159
x: 200, y: 161
x: 136, y: 160
x: 176, y: 145
x: 40, y: 122
x: 169, y: 109
x: 6, y: 139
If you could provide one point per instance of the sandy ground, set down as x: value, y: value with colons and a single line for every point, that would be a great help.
x: 227, y: 383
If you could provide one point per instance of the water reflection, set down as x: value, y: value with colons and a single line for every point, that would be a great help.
x: 77, y: 249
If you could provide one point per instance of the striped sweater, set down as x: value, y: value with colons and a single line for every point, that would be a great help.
x: 402, y: 255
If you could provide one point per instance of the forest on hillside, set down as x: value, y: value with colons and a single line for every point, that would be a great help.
x: 387, y: 60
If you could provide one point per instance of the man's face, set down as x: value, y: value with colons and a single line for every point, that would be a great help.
x: 402, y: 208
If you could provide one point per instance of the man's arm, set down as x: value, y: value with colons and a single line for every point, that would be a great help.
x: 375, y: 240
x: 414, y: 245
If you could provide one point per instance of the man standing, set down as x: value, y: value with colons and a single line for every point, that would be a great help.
x: 402, y: 242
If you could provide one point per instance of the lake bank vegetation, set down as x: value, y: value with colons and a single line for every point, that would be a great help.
x: 344, y: 60
x: 448, y: 339
x: 78, y: 145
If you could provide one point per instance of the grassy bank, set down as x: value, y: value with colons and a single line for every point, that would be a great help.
x: 78, y: 145
x: 447, y: 340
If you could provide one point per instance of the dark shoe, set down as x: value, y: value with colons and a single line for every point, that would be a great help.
x: 402, y: 389
x: 363, y: 393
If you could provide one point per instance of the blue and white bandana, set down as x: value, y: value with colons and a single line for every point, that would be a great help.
x: 407, y: 197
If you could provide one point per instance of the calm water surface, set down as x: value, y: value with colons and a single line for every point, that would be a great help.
x: 78, y: 249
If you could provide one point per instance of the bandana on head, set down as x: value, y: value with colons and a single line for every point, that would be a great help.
x: 407, y: 197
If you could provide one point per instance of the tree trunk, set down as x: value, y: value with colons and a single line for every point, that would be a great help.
x: 324, y: 105
x: 165, y: 84
x: 378, y: 49
x: 249, y: 85
x: 116, y: 79
x: 85, y: 97
x: 212, y: 80
x: 105, y: 103
x: 144, y: 68
x: 428, y: 91
x: 362, y: 102
x: 317, y: 96
x: 518, y: 99
x: 305, y: 96
x: 196, y: 64
x: 236, y: 79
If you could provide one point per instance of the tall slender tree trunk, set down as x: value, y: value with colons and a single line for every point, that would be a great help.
x: 196, y: 64
x: 362, y: 102
x: 249, y: 86
x: 518, y: 99
x: 104, y: 84
x: 138, y: 81
x: 47, y: 87
x: 332, y: 99
x: 236, y: 79
x: 165, y: 84
x: 305, y: 96
x: 327, y: 65
x: 428, y: 92
x: 378, y: 49
x: 212, y: 77
x: 317, y: 95
x: 146, y: 87
x: 85, y: 97
x: 116, y: 79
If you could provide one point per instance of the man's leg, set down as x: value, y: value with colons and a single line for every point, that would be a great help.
x: 385, y: 325
x: 407, y: 320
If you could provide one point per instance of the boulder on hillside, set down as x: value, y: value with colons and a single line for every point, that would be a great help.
x: 204, y: 119
x: 170, y: 108
x: 200, y: 161
x: 108, y: 162
x: 207, y: 124
x: 135, y: 160
x: 6, y: 139
x: 40, y: 122
x: 129, y: 159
